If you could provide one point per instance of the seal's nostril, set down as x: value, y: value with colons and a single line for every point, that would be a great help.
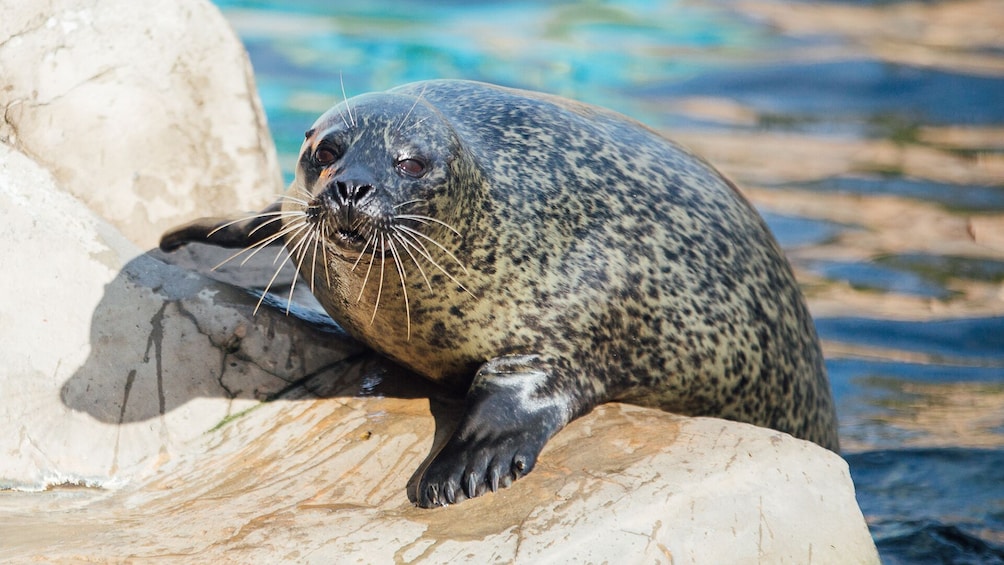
x: 350, y: 192
x: 343, y: 190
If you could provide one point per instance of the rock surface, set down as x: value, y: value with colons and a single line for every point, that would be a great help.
x: 147, y: 113
x: 148, y: 413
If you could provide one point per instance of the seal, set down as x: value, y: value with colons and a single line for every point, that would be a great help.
x: 544, y: 256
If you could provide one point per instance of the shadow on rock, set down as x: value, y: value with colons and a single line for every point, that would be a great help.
x: 163, y: 336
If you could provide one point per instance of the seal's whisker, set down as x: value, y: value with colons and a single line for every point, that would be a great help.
x: 295, y: 229
x: 427, y: 220
x: 267, y: 287
x: 412, y: 109
x: 293, y: 233
x: 296, y: 269
x: 414, y: 125
x: 238, y: 254
x: 300, y: 251
x: 358, y: 223
x: 341, y: 115
x: 414, y: 232
x: 295, y: 200
x: 406, y: 202
x: 320, y: 237
x: 249, y: 217
x: 376, y: 304
x: 278, y: 270
x: 256, y: 247
x: 301, y: 190
x: 414, y: 260
x: 284, y: 196
x: 280, y: 217
x: 348, y: 107
x: 418, y: 246
x: 362, y: 253
x: 404, y: 287
x: 369, y: 268
x: 315, y: 234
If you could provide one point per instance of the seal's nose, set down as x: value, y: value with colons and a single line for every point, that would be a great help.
x: 351, y: 192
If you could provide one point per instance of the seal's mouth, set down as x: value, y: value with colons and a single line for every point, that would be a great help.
x: 349, y: 239
x: 360, y: 237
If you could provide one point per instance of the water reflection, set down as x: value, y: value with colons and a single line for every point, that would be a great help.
x: 886, y: 405
x: 793, y: 231
x: 943, y: 269
x: 966, y: 341
x: 877, y: 97
x: 958, y: 197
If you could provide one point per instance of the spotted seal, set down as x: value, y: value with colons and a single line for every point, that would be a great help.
x: 544, y: 256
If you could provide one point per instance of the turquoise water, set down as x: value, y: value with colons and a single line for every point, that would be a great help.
x: 304, y: 53
x: 912, y: 319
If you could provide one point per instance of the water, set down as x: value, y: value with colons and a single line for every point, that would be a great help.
x: 871, y: 135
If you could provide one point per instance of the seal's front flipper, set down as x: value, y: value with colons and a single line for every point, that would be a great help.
x: 512, y: 410
x: 226, y: 232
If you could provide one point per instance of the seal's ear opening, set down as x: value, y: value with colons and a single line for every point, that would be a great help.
x: 226, y: 232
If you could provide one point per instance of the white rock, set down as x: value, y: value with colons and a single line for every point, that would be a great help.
x: 145, y: 111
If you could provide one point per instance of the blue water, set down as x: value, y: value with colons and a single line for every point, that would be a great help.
x: 920, y: 402
x: 819, y: 90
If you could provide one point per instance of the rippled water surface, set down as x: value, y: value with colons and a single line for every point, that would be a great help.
x: 871, y: 136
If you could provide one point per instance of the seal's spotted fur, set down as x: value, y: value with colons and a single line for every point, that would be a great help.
x: 603, y: 262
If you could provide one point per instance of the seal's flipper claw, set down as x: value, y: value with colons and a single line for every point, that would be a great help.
x: 225, y: 232
x: 512, y: 410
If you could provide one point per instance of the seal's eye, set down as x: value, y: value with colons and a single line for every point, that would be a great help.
x: 411, y: 167
x: 324, y: 156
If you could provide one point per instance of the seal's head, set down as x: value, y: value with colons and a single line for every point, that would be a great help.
x: 375, y: 170
x: 373, y: 217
